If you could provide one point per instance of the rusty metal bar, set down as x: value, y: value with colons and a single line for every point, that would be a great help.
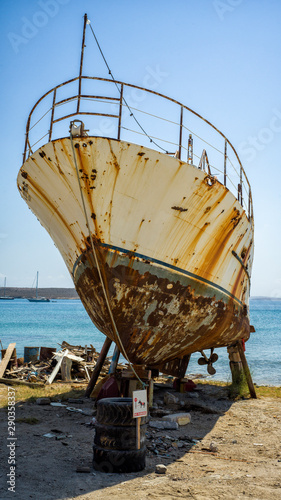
x: 225, y: 159
x: 82, y: 96
x: 81, y: 63
x: 26, y: 138
x: 241, y: 263
x: 98, y: 367
x: 120, y: 112
x: 114, y: 360
x: 203, y: 161
x: 190, y: 150
x: 52, y: 115
x: 180, y: 137
x: 250, y: 204
x: 84, y: 113
x: 238, y: 192
x: 241, y: 186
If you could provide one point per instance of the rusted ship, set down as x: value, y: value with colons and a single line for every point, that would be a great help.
x: 151, y: 210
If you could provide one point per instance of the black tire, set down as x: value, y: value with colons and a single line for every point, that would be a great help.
x: 119, y: 461
x: 112, y: 437
x: 117, y: 411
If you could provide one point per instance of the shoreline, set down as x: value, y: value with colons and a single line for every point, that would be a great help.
x: 66, y: 293
x: 49, y: 293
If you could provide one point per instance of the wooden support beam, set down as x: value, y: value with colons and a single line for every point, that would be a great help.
x: 138, y: 422
x: 98, y: 367
x: 246, y: 370
x: 6, y: 359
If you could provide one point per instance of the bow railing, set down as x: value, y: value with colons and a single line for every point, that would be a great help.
x: 123, y: 111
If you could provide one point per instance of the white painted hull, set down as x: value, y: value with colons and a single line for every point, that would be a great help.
x: 175, y: 245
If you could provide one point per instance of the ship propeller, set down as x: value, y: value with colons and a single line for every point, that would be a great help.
x: 208, y: 361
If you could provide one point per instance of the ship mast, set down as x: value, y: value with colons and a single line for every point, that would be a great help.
x: 81, y: 62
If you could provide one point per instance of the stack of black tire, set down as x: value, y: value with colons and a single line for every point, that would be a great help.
x: 115, y: 448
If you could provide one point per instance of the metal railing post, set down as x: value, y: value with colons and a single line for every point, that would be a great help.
x: 225, y: 159
x: 52, y: 115
x: 26, y: 138
x: 180, y: 137
x: 250, y: 204
x: 241, y: 186
x: 190, y: 150
x: 81, y: 63
x: 120, y: 113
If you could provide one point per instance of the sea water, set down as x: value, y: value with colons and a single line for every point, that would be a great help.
x: 31, y: 324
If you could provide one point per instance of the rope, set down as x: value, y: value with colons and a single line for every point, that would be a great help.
x: 129, y: 108
x: 99, y: 269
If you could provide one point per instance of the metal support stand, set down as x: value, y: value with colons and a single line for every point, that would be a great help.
x: 114, y: 360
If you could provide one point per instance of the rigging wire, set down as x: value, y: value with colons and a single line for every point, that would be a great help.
x: 102, y: 281
x: 126, y: 103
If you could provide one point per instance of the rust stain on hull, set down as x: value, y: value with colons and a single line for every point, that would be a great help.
x: 160, y: 314
x: 164, y: 237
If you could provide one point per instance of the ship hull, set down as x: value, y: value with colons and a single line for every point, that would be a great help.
x: 161, y: 312
x: 174, y: 245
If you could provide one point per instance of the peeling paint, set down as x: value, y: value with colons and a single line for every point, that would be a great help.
x: 164, y: 233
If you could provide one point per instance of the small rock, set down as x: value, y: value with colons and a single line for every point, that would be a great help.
x: 88, y: 411
x: 43, y: 401
x: 163, y: 425
x: 170, y: 399
x: 213, y: 447
x: 83, y: 469
x: 180, y: 418
x: 160, y: 469
x: 193, y: 395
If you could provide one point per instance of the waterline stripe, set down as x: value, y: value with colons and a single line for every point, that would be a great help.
x: 163, y: 264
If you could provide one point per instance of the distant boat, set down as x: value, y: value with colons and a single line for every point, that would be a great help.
x: 36, y: 298
x: 6, y: 297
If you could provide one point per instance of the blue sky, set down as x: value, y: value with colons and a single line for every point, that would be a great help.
x: 220, y: 57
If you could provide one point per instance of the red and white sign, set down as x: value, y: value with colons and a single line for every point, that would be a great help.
x: 139, y: 403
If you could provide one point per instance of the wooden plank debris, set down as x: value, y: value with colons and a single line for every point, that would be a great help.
x: 6, y: 359
x: 57, y: 367
x: 66, y: 368
x: 84, y: 360
x: 10, y: 381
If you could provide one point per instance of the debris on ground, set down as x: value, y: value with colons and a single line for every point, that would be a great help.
x: 73, y: 363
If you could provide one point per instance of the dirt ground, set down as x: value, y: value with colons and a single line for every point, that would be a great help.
x: 243, y: 461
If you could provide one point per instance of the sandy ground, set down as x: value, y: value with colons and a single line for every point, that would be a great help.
x: 247, y: 463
